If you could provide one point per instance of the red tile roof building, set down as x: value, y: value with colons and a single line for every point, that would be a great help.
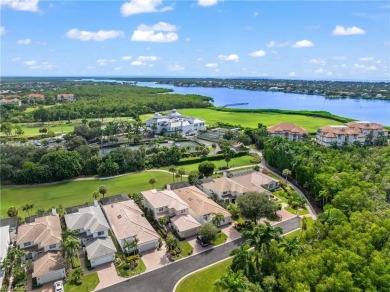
x: 288, y: 130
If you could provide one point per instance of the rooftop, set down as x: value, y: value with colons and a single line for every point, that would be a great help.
x: 100, y: 247
x: 164, y: 198
x: 287, y: 127
x: 88, y: 218
x: 48, y: 262
x: 185, y: 222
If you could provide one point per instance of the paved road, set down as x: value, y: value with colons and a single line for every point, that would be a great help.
x: 165, y: 278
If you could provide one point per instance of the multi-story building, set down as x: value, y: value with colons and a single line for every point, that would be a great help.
x: 65, y: 97
x: 290, y: 131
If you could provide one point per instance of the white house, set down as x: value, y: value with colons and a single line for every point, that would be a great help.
x: 49, y: 267
x: 175, y: 122
x: 232, y: 185
x: 89, y: 222
x: 290, y: 131
x: 369, y: 129
x: 65, y: 97
x: 166, y: 203
x: 5, y: 241
x: 39, y: 236
x: 202, y: 208
x: 100, y: 251
x: 127, y: 221
x: 339, y: 135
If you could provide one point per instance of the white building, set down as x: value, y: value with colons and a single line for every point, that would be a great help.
x: 175, y: 122
x: 4, y: 245
x: 65, y: 97
x: 368, y: 128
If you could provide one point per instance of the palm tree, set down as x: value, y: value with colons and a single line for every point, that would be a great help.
x: 77, y: 276
x: 172, y: 243
x: 229, y: 154
x: 173, y: 169
x: 218, y: 219
x: 103, y: 190
x: 286, y: 172
x: 27, y: 208
x: 70, y: 246
x: 181, y: 171
x: 131, y: 245
x: 242, y: 260
x: 7, y: 265
x: 152, y: 181
x: 235, y: 281
x: 16, y: 255
x: 95, y: 195
x: 69, y: 233
x: 291, y: 245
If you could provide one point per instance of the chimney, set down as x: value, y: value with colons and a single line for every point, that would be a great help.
x: 95, y: 203
x: 168, y: 187
x: 53, y: 211
x: 225, y: 173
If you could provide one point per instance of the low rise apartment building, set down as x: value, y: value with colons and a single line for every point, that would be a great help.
x: 289, y: 131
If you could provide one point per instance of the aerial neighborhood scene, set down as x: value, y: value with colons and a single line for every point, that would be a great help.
x: 194, y: 146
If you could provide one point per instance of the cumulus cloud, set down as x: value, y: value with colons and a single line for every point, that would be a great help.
x: 211, y: 65
x: 303, y: 44
x: 126, y: 58
x: 30, y: 63
x: 231, y: 57
x: 317, y: 62
x: 274, y: 44
x: 341, y: 30
x: 137, y: 63
x: 104, y: 62
x: 175, y: 67
x: 160, y: 32
x: 2, y: 30
x: 366, y: 59
x: 147, y: 58
x: 143, y: 6
x: 99, y: 36
x: 24, y: 42
x: 259, y: 53
x: 206, y: 3
x: 22, y: 5
x: 35, y: 65
x: 17, y: 59
x: 292, y: 74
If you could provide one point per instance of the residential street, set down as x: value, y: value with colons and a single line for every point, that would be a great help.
x: 164, y: 279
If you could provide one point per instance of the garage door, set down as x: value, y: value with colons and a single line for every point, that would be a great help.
x: 102, y: 260
x: 57, y: 275
x: 189, y: 233
x: 147, y: 246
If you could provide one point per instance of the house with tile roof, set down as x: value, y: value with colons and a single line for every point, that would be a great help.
x: 48, y: 267
x: 371, y: 130
x: 127, y: 221
x: 232, y: 185
x: 42, y: 234
x: 100, y: 251
x: 165, y: 203
x: 36, y: 96
x: 202, y: 208
x: 66, y: 97
x: 339, y: 135
x: 290, y: 131
x: 89, y: 222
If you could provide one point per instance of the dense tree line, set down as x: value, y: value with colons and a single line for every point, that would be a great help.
x: 347, y: 248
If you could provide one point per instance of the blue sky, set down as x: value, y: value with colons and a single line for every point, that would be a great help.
x: 204, y: 38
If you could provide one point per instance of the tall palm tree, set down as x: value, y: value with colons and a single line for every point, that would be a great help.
x: 173, y: 169
x: 286, y: 172
x: 229, y: 154
x: 152, y: 181
x: 131, y: 245
x: 27, y: 208
x: 181, y: 171
x: 95, y: 195
x: 172, y: 243
x: 69, y: 233
x: 7, y: 265
x: 218, y: 219
x: 70, y: 246
x: 291, y: 245
x: 16, y: 255
x: 103, y: 190
x: 242, y: 260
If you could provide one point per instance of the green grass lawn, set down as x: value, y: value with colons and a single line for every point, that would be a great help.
x: 90, y: 282
x: 186, y: 249
x: 235, y: 162
x: 221, y: 238
x: 310, y: 223
x: 252, y: 119
x: 121, y: 271
x: 76, y: 192
x: 297, y: 212
x: 203, y: 280
x: 281, y: 194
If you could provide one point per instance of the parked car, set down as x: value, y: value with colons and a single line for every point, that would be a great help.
x: 59, y: 286
x: 201, y: 242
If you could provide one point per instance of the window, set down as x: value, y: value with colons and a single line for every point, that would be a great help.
x: 100, y: 232
x: 182, y: 211
x: 51, y: 246
x: 27, y: 244
x: 161, y: 209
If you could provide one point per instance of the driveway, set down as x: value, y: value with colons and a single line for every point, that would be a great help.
x: 155, y: 259
x: 107, y: 276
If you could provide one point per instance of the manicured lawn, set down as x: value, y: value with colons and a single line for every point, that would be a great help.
x: 121, y: 271
x: 221, y: 238
x: 90, y: 282
x: 252, y: 119
x: 204, y: 280
x: 186, y: 249
x: 76, y: 192
x: 235, y: 162
x: 281, y: 194
x: 297, y: 212
x: 310, y: 223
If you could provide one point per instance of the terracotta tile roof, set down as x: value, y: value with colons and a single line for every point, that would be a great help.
x: 199, y: 202
x: 127, y: 220
x: 333, y: 131
x: 43, y: 231
x: 287, y: 127
x: 185, y: 222
x: 362, y: 125
x: 48, y: 262
x: 36, y: 95
x: 164, y: 198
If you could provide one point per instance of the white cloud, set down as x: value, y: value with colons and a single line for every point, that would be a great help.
x: 160, y: 32
x: 319, y: 71
x: 206, y: 3
x: 17, y: 59
x: 2, y: 30
x: 142, y: 6
x: 303, y: 44
x: 137, y: 63
x: 317, y: 62
x: 99, y: 36
x: 175, y: 67
x: 259, y: 53
x: 35, y: 65
x: 341, y: 30
x: 118, y: 68
x: 255, y: 14
x: 274, y: 44
x: 22, y: 5
x: 211, y: 65
x: 366, y: 59
x: 231, y: 57
x: 126, y: 58
x: 30, y: 63
x: 371, y: 68
x: 148, y: 58
x: 103, y: 62
x: 292, y: 74
x: 24, y: 42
